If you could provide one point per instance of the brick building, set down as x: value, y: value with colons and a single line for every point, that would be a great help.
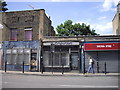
x: 26, y: 25
x: 22, y: 34
x: 0, y: 40
x: 116, y: 21
x: 28, y: 35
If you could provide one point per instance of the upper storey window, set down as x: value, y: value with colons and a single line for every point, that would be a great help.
x: 28, y: 33
x: 13, y: 35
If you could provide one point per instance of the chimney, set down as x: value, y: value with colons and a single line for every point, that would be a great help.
x: 49, y: 17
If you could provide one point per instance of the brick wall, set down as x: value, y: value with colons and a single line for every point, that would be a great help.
x: 0, y: 58
x: 19, y: 20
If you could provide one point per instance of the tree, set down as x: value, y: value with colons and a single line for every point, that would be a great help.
x: 3, y: 5
x: 70, y: 29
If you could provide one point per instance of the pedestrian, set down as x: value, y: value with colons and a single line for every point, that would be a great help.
x: 91, y: 62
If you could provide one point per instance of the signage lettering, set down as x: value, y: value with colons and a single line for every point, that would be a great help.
x: 61, y: 43
x: 101, y: 46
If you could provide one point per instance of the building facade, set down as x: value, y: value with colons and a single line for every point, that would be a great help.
x: 26, y: 25
x: 72, y: 53
x: 22, y: 34
x: 31, y: 41
x: 116, y: 21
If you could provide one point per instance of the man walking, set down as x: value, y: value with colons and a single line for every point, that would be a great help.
x: 91, y: 62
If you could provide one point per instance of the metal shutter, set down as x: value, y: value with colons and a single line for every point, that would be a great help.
x: 111, y: 58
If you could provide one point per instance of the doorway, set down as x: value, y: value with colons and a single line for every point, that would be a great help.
x: 74, y: 61
x: 33, y: 62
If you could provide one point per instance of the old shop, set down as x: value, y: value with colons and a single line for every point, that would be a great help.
x: 17, y: 52
x: 101, y: 52
x: 58, y: 55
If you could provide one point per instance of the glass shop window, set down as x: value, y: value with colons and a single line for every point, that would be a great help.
x: 13, y: 35
x: 27, y: 56
x: 58, y: 59
x: 20, y: 57
x: 28, y: 33
x: 8, y: 56
x: 46, y: 58
x: 11, y: 56
x: 14, y: 56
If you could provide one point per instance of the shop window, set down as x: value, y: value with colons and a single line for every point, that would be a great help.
x: 27, y: 56
x: 28, y: 33
x: 13, y: 35
x: 46, y: 58
x: 17, y: 56
x: 13, y: 59
x: 8, y: 58
x: 20, y: 59
x: 58, y: 59
x: 14, y: 56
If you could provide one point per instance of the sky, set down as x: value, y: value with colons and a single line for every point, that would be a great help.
x: 96, y: 13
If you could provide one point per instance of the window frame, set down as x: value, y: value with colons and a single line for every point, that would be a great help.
x: 11, y: 34
x: 28, y: 29
x: 67, y: 59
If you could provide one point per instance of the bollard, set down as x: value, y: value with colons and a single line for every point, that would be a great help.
x: 62, y: 69
x: 105, y: 67
x: 52, y: 62
x: 84, y: 69
x: 23, y: 67
x: 42, y: 68
x: 5, y: 66
x: 97, y: 67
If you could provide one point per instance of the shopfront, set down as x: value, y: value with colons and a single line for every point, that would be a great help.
x: 102, y: 52
x: 58, y: 55
x: 17, y: 52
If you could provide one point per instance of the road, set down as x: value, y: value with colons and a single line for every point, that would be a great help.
x: 32, y: 81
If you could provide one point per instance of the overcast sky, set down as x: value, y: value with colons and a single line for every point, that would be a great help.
x: 98, y: 13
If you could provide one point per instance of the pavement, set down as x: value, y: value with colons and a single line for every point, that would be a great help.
x: 59, y: 73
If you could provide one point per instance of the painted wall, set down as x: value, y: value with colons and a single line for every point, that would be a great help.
x: 19, y: 45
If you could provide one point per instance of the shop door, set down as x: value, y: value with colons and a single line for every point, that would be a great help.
x: 33, y: 61
x: 74, y: 61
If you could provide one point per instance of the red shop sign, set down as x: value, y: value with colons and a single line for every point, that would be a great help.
x: 101, y: 46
